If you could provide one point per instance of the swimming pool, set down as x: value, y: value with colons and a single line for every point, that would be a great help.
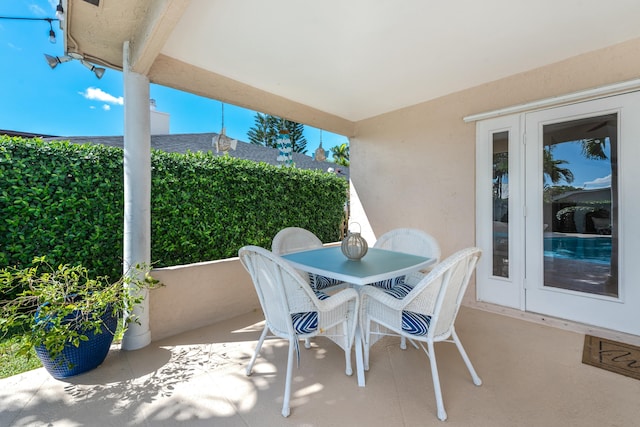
x: 595, y: 249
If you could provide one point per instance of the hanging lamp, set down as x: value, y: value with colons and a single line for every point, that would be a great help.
x: 320, y: 154
x: 221, y: 141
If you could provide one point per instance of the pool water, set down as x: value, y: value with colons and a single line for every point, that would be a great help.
x: 592, y: 249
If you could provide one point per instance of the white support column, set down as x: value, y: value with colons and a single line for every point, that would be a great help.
x: 137, y: 191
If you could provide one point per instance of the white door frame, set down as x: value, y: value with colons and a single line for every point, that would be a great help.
x: 523, y: 289
x: 506, y: 291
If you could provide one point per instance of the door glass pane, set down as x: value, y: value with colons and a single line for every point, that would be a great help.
x: 501, y: 204
x: 580, y: 205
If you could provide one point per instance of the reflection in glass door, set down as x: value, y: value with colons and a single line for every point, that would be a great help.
x: 557, y: 212
x: 579, y: 162
x: 499, y: 219
x: 500, y: 200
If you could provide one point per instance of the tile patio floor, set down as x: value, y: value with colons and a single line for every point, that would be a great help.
x: 533, y: 376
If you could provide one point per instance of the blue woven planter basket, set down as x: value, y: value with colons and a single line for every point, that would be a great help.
x: 87, y: 356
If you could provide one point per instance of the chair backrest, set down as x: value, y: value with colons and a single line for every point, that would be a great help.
x: 444, y: 288
x: 411, y: 241
x: 280, y: 288
x: 294, y: 239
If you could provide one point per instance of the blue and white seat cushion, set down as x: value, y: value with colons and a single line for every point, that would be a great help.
x: 307, y: 322
x: 319, y: 282
x: 388, y: 283
x: 415, y: 323
x: 399, y: 291
x: 412, y: 323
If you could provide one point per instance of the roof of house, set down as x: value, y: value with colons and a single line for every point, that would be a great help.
x: 194, y: 142
x: 23, y: 134
x: 584, y: 194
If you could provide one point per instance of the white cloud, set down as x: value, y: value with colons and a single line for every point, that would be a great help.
x: 95, y: 94
x: 599, y: 182
x: 106, y: 107
x: 37, y: 10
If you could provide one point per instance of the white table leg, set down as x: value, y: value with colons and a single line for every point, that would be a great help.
x: 359, y: 359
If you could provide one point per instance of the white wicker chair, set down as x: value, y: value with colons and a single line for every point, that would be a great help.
x: 426, y: 314
x: 295, y: 239
x: 293, y: 311
x: 411, y: 241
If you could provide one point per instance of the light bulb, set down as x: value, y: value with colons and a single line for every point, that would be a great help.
x: 60, y: 12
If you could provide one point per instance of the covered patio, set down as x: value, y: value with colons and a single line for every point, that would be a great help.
x: 398, y: 79
x: 532, y: 376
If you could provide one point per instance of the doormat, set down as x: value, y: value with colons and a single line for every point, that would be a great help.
x: 613, y: 356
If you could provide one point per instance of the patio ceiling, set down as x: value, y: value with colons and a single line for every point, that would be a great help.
x: 333, y: 63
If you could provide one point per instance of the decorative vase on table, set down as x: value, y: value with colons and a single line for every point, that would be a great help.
x: 354, y: 246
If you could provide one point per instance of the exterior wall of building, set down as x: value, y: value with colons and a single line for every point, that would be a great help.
x: 198, y: 295
x: 413, y: 167
x: 160, y: 122
x: 416, y: 167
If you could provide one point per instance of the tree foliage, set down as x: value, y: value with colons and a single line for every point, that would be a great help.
x: 341, y: 154
x: 266, y: 129
x: 65, y: 201
x: 554, y: 170
x: 500, y: 172
x: 593, y: 149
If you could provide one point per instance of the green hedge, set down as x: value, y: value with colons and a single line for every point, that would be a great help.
x: 65, y: 201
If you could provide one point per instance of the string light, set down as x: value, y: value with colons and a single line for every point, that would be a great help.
x: 51, y: 33
x: 53, y: 61
x: 60, y: 11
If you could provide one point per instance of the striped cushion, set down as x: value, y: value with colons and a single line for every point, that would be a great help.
x: 321, y: 295
x: 415, y: 323
x: 389, y: 283
x: 305, y: 323
x: 319, y: 282
x: 412, y: 323
x: 399, y: 291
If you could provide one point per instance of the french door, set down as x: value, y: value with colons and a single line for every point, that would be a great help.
x: 558, y: 193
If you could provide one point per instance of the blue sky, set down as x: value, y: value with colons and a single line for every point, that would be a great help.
x: 70, y: 101
x: 587, y: 173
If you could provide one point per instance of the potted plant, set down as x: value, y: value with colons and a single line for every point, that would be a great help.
x: 67, y: 316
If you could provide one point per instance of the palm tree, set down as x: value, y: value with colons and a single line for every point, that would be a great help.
x: 551, y: 167
x: 593, y: 148
x: 500, y: 171
x: 552, y: 170
x: 341, y: 154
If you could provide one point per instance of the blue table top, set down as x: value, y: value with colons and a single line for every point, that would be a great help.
x: 377, y: 264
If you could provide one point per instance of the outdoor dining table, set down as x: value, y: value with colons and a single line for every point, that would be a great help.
x: 376, y: 265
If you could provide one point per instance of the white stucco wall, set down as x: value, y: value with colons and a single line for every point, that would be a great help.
x: 410, y: 168
x: 416, y: 167
x: 199, y: 294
